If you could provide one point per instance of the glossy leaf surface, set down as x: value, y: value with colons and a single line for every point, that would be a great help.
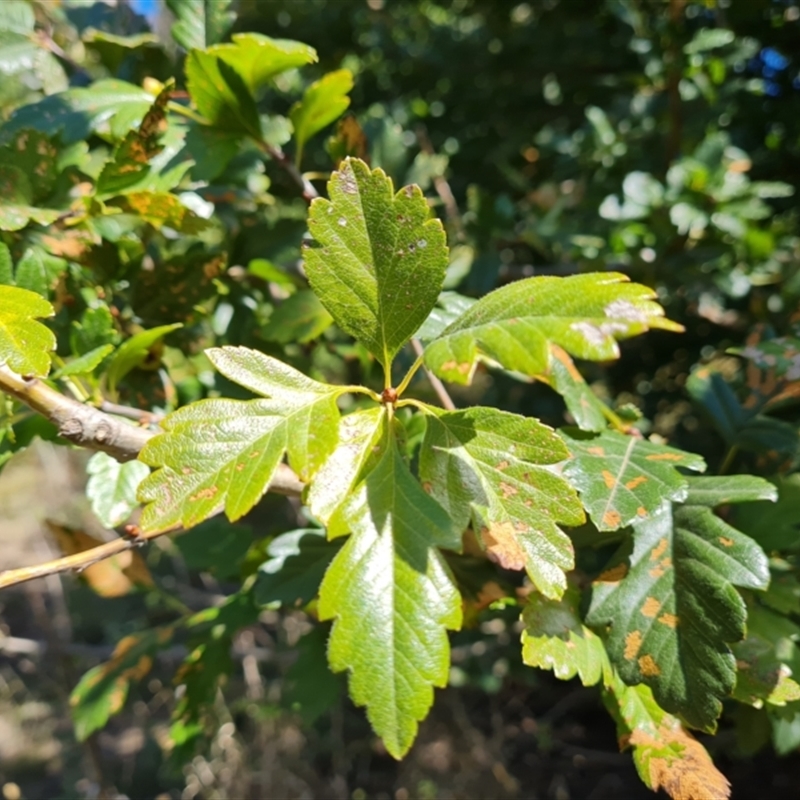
x: 25, y: 344
x: 489, y: 467
x: 378, y: 260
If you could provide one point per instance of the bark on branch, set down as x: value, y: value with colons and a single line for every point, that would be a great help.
x: 89, y: 427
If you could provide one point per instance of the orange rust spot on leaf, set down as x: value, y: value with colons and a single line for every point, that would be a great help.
x: 651, y: 607
x: 464, y: 367
x: 502, y: 546
x: 633, y: 641
x: 427, y: 487
x: 613, y: 575
x: 205, y: 494
x: 449, y: 366
x: 609, y: 480
x: 634, y: 482
x: 239, y: 467
x: 562, y: 356
x: 641, y: 511
x: 187, y: 470
x: 596, y: 451
x: 664, y: 457
x: 723, y: 540
x: 612, y: 518
x: 502, y: 465
x: 689, y: 774
x: 659, y: 549
x: 670, y: 620
x: 656, y: 572
x: 507, y: 490
x: 648, y: 666
x: 665, y: 563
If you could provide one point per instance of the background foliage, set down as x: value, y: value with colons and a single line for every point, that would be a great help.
x: 553, y: 139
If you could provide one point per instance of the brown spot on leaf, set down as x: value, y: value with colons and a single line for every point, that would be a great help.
x: 502, y: 545
x: 427, y: 487
x: 633, y: 641
x: 204, y: 494
x: 656, y: 572
x: 659, y: 549
x: 651, y: 607
x: 596, y: 451
x: 664, y: 457
x: 648, y: 666
x: 613, y: 575
x: 641, y: 511
x: 634, y: 482
x: 508, y: 490
x: 502, y: 465
x: 689, y: 774
x: 609, y: 480
x: 187, y: 471
x: 449, y: 366
x: 670, y: 620
x: 612, y: 518
x: 562, y: 356
x: 723, y: 540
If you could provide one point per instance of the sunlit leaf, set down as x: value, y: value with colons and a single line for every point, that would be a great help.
x: 392, y: 597
x: 378, y: 260
x: 672, y: 610
x: 223, y: 453
x: 490, y: 468
x: 555, y: 638
x: 112, y: 486
x: 514, y: 326
x: 200, y: 23
x: 623, y: 479
x: 25, y: 344
x: 323, y: 102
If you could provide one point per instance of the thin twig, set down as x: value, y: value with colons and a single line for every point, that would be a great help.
x: 438, y: 386
x: 137, y: 414
x: 286, y: 163
x: 442, y: 187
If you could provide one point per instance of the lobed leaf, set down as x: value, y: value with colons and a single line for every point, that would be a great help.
x: 666, y: 755
x: 323, y: 102
x: 555, y: 638
x: 378, y: 259
x: 515, y: 325
x: 225, y: 452
x: 491, y: 468
x: 671, y: 608
x: 624, y: 479
x: 392, y: 597
x: 25, y: 344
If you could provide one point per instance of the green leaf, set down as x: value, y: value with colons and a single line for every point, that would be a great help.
x: 323, y: 102
x: 781, y: 354
x: 672, y: 608
x: 295, y: 568
x: 6, y: 266
x: 112, y: 486
x: 586, y: 408
x: 225, y: 452
x: 514, y: 326
x: 766, y: 660
x: 216, y: 546
x: 32, y: 152
x: 720, y: 490
x: 300, y: 318
x: 492, y: 467
x: 623, y: 479
x: 16, y: 201
x: 211, y: 149
x: 25, y: 344
x: 114, y: 49
x: 555, y: 638
x: 449, y: 306
x: 393, y: 597
x: 134, y: 352
x: 378, y: 260
x: 110, y: 108
x: 775, y: 526
x: 200, y: 23
x: 17, y: 16
x: 31, y: 272
x: 102, y: 691
x: 224, y: 79
x: 360, y: 437
x: 220, y: 94
x: 85, y: 364
x: 666, y: 755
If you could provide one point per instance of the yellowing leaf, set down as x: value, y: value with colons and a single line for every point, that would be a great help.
x: 25, y: 344
x: 515, y: 325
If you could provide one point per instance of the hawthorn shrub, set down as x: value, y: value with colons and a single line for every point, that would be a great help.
x: 180, y: 294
